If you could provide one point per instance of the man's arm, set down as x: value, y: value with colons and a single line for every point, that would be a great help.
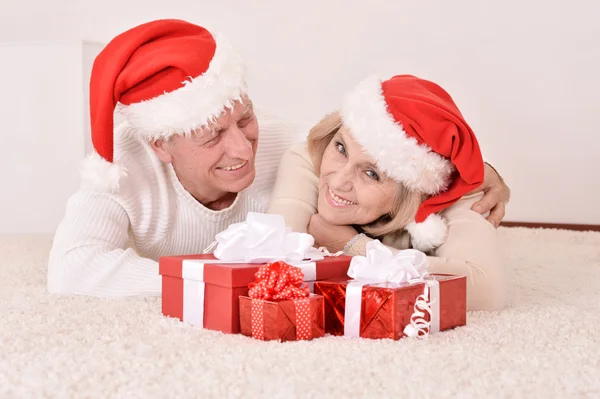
x: 497, y: 195
x: 471, y: 249
x: 90, y: 256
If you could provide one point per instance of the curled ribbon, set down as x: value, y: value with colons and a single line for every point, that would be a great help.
x: 427, y: 302
x: 265, y: 238
x: 278, y: 281
x: 380, y: 265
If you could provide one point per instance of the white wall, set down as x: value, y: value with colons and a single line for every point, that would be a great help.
x: 39, y: 20
x: 41, y: 135
x: 89, y: 51
x: 523, y: 73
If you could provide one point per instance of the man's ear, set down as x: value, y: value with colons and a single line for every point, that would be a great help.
x: 161, y: 149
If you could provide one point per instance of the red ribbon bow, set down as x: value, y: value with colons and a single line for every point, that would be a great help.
x: 278, y: 281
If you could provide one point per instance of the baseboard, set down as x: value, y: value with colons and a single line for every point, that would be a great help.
x: 578, y: 227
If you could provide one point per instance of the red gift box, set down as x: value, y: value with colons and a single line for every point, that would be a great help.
x: 387, y: 308
x: 282, y: 320
x: 203, y: 291
x: 280, y: 307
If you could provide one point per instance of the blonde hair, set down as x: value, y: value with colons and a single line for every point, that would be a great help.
x: 405, y: 202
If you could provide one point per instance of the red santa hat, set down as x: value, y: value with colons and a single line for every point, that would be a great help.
x: 166, y: 77
x: 414, y: 131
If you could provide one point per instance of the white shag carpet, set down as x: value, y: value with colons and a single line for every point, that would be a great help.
x: 545, y: 345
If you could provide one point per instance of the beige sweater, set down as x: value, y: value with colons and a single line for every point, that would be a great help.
x: 471, y: 248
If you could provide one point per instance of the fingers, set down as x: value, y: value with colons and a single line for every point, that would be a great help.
x: 491, y: 202
x: 490, y: 199
x: 497, y: 214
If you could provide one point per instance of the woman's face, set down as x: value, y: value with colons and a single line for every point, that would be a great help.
x: 351, y: 189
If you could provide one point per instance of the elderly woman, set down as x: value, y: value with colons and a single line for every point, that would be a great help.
x: 398, y: 163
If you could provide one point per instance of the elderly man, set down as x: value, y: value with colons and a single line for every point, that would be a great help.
x: 183, y: 166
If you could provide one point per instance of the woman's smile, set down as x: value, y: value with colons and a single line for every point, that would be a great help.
x: 336, y: 200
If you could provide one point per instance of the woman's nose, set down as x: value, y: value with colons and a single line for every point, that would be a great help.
x: 341, y: 180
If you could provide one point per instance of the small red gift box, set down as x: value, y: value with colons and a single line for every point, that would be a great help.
x: 270, y: 320
x: 280, y: 307
x: 386, y: 309
x: 201, y: 290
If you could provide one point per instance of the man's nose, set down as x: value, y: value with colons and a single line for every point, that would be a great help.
x: 237, y: 145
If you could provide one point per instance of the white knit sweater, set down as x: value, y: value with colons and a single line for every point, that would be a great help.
x: 109, y: 244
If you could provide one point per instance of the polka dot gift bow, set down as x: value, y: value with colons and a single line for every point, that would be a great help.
x: 278, y: 281
x: 280, y: 306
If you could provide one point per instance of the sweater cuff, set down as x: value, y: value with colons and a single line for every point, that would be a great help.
x: 357, y: 246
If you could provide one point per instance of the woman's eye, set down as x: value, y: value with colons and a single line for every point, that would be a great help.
x: 340, y: 147
x: 373, y: 175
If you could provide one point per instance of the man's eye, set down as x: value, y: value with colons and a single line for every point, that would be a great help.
x: 212, y: 138
x: 372, y: 174
x: 244, y: 122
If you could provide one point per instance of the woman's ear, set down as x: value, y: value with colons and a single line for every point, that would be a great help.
x: 161, y: 148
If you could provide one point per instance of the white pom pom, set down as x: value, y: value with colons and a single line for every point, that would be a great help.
x: 429, y: 234
x: 100, y: 175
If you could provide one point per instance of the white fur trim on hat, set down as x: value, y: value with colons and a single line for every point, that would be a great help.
x: 429, y: 234
x: 100, y: 175
x: 200, y: 101
x: 364, y: 112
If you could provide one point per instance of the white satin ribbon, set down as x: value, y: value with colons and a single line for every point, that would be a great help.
x: 264, y: 238
x: 192, y: 273
x: 352, y: 310
x: 380, y: 265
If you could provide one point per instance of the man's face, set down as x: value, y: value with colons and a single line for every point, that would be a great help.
x: 216, y: 161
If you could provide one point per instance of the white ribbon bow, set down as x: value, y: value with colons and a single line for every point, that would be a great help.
x: 265, y: 238
x: 380, y: 265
